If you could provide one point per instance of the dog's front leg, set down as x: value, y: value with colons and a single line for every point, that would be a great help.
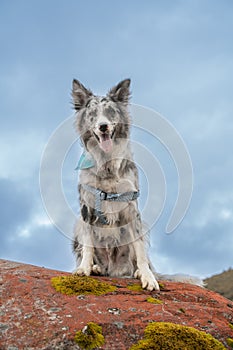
x: 86, y: 250
x: 144, y: 272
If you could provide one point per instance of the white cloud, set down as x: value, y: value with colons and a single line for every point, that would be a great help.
x: 38, y: 221
x: 42, y: 220
x: 226, y: 214
x: 24, y: 232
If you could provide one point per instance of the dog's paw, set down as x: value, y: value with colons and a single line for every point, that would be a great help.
x: 96, y: 269
x: 147, y: 279
x: 82, y: 271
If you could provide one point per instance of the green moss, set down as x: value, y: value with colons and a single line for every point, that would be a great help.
x: 230, y: 342
x: 77, y: 285
x: 135, y: 287
x: 138, y: 288
x: 231, y: 325
x: 170, y: 336
x: 161, y: 286
x: 90, y: 337
x: 154, y: 301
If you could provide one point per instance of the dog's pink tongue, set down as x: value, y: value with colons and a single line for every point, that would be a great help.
x: 106, y: 143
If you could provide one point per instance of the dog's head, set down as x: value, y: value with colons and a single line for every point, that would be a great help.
x: 102, y: 121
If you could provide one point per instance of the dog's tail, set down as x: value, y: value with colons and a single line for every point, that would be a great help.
x: 178, y: 277
x: 181, y: 278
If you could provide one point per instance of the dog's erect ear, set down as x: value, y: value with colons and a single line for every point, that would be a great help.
x: 80, y: 95
x: 121, y: 92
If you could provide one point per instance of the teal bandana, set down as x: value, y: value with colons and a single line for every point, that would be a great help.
x: 85, y: 161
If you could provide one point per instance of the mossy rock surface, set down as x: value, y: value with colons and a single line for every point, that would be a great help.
x: 171, y: 336
x: 77, y: 285
x: 90, y: 337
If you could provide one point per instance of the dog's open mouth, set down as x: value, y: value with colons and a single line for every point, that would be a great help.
x: 105, y: 141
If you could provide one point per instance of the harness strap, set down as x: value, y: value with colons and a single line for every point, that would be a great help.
x: 112, y: 197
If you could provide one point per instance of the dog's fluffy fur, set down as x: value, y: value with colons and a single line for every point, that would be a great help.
x: 118, y: 248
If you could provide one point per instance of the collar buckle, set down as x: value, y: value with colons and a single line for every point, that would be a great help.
x: 103, y: 195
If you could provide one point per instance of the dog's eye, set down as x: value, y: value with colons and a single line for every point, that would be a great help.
x: 88, y: 104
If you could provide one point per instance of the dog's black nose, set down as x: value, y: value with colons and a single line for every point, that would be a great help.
x: 103, y: 127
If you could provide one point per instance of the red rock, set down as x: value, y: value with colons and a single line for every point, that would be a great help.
x: 35, y: 316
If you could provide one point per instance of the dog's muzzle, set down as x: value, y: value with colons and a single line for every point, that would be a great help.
x: 104, y: 133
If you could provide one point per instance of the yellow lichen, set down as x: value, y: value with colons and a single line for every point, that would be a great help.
x: 77, y: 285
x: 231, y: 325
x: 170, y: 336
x: 154, y: 301
x: 90, y: 337
x: 230, y: 342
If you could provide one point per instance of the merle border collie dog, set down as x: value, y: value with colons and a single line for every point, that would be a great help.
x: 109, y: 239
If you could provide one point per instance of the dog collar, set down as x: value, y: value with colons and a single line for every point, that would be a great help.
x: 112, y: 197
x: 86, y: 161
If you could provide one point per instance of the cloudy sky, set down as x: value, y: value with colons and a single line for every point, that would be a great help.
x: 179, y: 55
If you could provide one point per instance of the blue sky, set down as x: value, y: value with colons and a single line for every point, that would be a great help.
x: 179, y: 55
